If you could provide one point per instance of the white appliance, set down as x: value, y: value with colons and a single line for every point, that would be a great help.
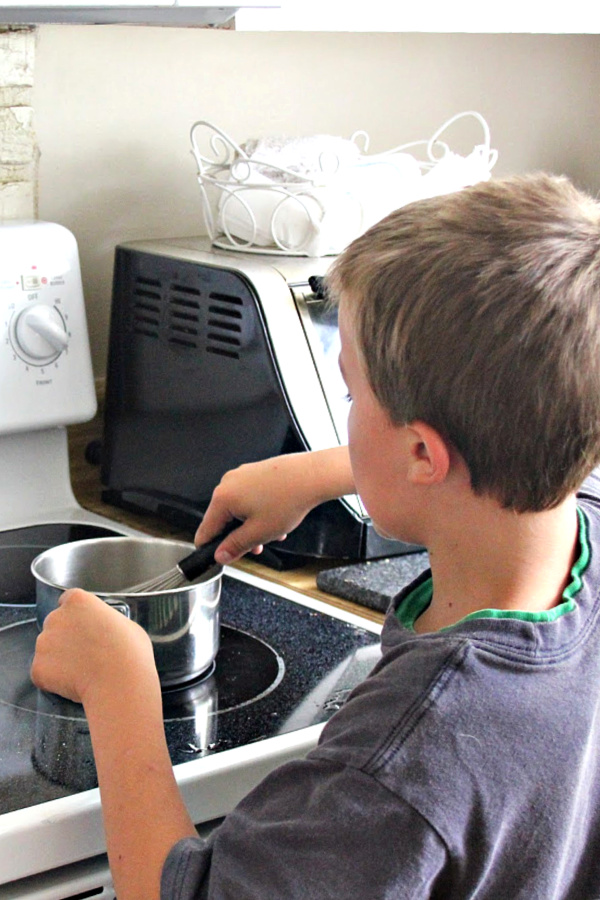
x: 51, y: 839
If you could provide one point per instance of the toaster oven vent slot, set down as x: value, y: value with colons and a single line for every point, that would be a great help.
x: 225, y: 317
x: 226, y: 298
x: 145, y: 310
x: 183, y: 340
x: 146, y: 306
x: 184, y: 318
x: 225, y: 326
x: 224, y: 339
x: 222, y: 342
x: 225, y: 312
x: 221, y: 351
x: 185, y: 289
x: 145, y: 317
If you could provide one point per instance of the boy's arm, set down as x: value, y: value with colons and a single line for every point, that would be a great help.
x: 272, y: 497
x: 144, y: 815
x: 92, y: 654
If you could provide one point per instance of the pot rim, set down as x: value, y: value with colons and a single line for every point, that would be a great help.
x: 186, y: 547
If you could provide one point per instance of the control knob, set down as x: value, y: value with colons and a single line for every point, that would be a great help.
x: 39, y: 334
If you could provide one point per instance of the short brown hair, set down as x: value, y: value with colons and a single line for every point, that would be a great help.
x: 479, y: 313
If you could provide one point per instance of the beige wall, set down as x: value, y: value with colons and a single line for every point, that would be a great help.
x: 114, y: 104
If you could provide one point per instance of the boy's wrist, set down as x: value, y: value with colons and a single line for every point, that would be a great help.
x: 119, y: 687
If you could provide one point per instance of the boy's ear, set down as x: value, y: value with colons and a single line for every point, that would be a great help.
x: 429, y: 454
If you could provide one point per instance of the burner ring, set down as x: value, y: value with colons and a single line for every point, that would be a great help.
x: 246, y: 670
x: 191, y: 683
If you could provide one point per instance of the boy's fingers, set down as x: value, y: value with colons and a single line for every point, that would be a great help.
x: 245, y: 539
x: 233, y: 547
x: 212, y: 524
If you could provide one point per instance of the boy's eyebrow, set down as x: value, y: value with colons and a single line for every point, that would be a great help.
x: 341, y: 366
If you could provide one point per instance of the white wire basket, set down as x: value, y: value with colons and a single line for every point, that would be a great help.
x: 313, y: 196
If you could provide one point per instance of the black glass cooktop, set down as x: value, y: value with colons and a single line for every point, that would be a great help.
x: 281, y: 666
x: 19, y: 547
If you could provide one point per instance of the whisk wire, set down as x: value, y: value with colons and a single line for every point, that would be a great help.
x: 168, y: 581
x: 189, y: 569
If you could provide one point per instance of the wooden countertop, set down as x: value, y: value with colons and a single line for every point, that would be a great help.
x: 87, y: 488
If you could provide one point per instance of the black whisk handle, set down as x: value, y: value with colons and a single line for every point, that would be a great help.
x: 203, y: 557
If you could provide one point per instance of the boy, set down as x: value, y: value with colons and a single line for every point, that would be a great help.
x: 467, y: 764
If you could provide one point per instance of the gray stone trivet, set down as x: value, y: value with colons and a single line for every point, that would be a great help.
x: 374, y: 583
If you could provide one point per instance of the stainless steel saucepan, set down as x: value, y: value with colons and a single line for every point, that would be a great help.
x: 183, y: 623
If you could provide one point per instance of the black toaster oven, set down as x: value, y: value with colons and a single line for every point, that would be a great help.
x: 218, y: 358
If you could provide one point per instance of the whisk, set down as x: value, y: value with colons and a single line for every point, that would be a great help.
x: 187, y: 569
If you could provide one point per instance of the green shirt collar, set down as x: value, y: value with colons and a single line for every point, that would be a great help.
x: 416, y: 602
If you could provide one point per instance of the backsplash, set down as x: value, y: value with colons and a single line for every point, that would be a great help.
x: 18, y: 145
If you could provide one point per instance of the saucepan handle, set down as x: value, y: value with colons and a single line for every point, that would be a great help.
x: 120, y: 606
x: 203, y: 557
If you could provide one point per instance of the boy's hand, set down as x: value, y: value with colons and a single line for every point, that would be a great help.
x: 86, y: 647
x: 266, y: 496
x: 271, y: 498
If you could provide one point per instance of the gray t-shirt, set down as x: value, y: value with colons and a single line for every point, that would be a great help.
x: 466, y: 766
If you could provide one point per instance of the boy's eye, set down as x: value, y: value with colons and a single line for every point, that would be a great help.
x: 348, y: 398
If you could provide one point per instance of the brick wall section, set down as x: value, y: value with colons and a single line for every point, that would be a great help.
x: 18, y: 147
